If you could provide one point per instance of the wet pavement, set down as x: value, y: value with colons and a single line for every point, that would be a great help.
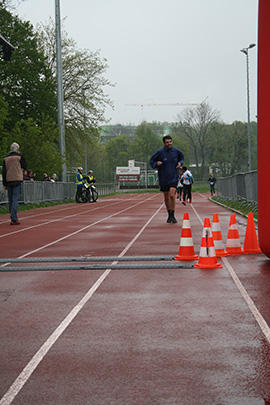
x: 131, y: 336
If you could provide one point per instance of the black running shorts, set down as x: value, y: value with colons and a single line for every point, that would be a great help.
x: 167, y: 187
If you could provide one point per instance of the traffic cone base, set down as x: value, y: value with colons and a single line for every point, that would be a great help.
x: 251, y: 244
x: 186, y: 248
x: 221, y: 253
x: 207, y: 266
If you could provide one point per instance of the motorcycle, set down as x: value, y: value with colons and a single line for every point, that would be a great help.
x: 89, y: 193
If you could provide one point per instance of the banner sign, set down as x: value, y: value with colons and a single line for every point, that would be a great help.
x: 128, y: 174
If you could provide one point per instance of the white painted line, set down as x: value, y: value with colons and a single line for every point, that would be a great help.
x: 78, y: 231
x: 37, y: 358
x: 255, y: 312
x: 41, y: 353
x: 49, y: 222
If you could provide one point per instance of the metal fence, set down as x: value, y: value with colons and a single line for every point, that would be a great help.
x: 42, y: 191
x: 242, y: 185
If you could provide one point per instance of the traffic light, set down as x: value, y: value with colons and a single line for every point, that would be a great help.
x: 6, y: 48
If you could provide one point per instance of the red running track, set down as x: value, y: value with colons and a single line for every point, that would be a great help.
x: 134, y: 336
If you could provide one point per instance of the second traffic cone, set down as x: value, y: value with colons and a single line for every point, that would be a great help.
x: 186, y: 248
x: 251, y: 244
x: 208, y: 258
x: 233, y: 245
x: 217, y: 237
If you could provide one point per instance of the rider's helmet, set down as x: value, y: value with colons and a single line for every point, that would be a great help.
x: 90, y: 171
x: 80, y: 169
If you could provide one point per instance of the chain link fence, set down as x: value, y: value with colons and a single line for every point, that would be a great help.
x: 42, y: 191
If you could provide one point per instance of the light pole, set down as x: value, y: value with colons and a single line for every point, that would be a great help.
x: 245, y: 51
x: 60, y: 94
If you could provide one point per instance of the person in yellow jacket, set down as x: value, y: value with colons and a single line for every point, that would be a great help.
x: 79, y: 183
x: 90, y: 178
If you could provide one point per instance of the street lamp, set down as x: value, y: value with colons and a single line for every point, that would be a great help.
x: 60, y: 93
x: 245, y: 51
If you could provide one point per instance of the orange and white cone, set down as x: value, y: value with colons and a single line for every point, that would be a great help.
x: 186, y: 248
x: 251, y: 244
x: 217, y: 237
x: 208, y: 258
x: 233, y: 246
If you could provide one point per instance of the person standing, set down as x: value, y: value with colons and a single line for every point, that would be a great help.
x: 167, y: 161
x: 187, y: 184
x: 79, y: 183
x: 13, y: 166
x: 54, y: 178
x: 212, y: 181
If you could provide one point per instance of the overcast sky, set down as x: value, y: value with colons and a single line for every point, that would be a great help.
x: 165, y: 52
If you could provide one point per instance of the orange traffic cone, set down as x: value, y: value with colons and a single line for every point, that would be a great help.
x: 217, y: 237
x: 233, y: 246
x: 208, y: 258
x: 186, y: 248
x: 251, y: 244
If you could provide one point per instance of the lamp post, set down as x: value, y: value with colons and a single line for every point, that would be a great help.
x: 245, y: 51
x: 60, y: 94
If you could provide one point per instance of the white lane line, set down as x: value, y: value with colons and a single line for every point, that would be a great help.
x: 78, y: 231
x: 38, y: 357
x: 254, y: 310
x: 197, y: 215
x: 53, y: 220
x: 83, y: 229
x: 39, y: 214
x: 67, y: 207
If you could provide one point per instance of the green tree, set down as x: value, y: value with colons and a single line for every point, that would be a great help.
x: 83, y: 84
x: 117, y: 153
x: 146, y: 142
x: 4, y: 136
x: 228, y: 151
x: 27, y: 97
x: 237, y: 135
x: 26, y: 81
x: 39, y: 145
x: 194, y: 125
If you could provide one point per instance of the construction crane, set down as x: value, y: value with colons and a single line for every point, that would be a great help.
x: 142, y: 105
x: 160, y: 105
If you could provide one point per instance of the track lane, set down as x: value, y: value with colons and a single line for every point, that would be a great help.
x: 38, y: 357
x: 196, y: 312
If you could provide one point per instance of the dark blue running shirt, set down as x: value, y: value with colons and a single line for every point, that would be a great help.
x: 167, y: 172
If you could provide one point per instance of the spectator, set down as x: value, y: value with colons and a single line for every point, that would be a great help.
x: 212, y: 181
x: 29, y: 176
x: 13, y: 165
x: 54, y: 178
x: 46, y: 177
x: 25, y: 175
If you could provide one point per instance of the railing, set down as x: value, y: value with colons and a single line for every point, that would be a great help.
x: 42, y: 191
x: 242, y: 185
